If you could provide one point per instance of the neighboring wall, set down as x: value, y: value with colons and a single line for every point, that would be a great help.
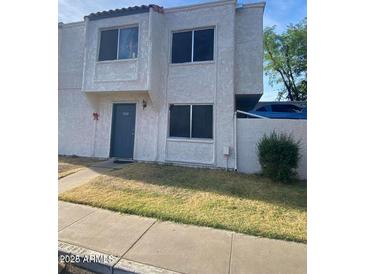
x: 75, y: 125
x: 250, y: 131
x: 249, y: 49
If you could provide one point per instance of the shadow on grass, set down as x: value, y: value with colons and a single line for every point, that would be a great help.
x: 76, y: 160
x: 253, y: 187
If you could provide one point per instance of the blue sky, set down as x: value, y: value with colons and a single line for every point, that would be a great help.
x: 277, y: 12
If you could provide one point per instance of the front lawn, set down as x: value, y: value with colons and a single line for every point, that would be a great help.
x: 244, y: 203
x: 70, y: 164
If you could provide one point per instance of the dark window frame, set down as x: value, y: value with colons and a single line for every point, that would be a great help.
x: 192, y: 44
x: 183, y: 52
x: 181, y: 128
x: 108, y: 45
x: 119, y: 29
x: 191, y: 121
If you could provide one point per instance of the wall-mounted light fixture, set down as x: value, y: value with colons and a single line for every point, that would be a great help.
x: 144, y: 104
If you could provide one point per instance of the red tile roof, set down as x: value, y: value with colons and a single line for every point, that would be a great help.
x: 124, y: 12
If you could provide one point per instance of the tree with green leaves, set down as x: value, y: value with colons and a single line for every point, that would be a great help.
x: 285, y: 60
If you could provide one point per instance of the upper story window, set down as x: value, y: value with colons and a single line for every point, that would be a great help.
x: 192, y: 46
x: 118, y: 44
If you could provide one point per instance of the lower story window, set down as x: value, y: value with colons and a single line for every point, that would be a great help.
x: 191, y: 121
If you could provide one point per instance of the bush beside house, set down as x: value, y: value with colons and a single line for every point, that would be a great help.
x: 279, y: 156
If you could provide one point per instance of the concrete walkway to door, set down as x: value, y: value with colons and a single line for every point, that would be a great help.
x: 133, y: 244
x: 86, y: 174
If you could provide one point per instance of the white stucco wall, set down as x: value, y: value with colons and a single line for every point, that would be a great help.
x: 75, y: 123
x: 116, y: 75
x: 79, y: 133
x: 145, y: 126
x: 250, y: 131
x: 75, y: 110
x: 249, y: 49
x: 88, y: 86
x: 157, y: 58
x: 206, y: 82
x: 71, y: 55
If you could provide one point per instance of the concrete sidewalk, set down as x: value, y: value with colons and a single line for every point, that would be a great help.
x: 134, y: 244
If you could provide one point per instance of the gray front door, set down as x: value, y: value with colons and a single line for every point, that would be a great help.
x: 123, y: 124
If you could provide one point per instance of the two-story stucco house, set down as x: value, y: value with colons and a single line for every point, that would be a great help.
x: 159, y: 84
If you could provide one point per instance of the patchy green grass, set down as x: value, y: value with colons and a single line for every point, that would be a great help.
x: 244, y: 203
x: 71, y: 164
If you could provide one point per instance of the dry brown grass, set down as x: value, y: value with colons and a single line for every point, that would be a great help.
x: 244, y: 203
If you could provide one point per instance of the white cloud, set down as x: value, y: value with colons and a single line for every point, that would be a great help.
x: 283, y: 12
x: 269, y: 22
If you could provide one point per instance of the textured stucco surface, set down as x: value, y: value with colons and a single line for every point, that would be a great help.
x: 71, y: 55
x: 145, y: 127
x: 249, y: 50
x: 190, y: 152
x: 250, y: 131
x: 75, y: 124
x: 157, y: 58
x: 75, y: 127
x: 206, y: 82
x: 116, y: 75
x: 88, y: 86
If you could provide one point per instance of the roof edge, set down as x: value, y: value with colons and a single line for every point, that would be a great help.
x: 199, y: 6
x: 254, y: 5
x: 123, y: 12
x: 71, y: 24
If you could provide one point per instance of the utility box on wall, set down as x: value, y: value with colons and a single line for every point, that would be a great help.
x: 226, y: 151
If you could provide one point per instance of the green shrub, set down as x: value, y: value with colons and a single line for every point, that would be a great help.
x: 278, y: 155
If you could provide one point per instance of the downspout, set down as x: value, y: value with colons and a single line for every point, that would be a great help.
x: 95, y: 104
x: 149, y: 54
x: 94, y: 137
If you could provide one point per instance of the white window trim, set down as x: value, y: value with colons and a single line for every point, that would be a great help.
x: 119, y: 29
x: 192, y: 46
x: 118, y: 45
x: 174, y: 138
